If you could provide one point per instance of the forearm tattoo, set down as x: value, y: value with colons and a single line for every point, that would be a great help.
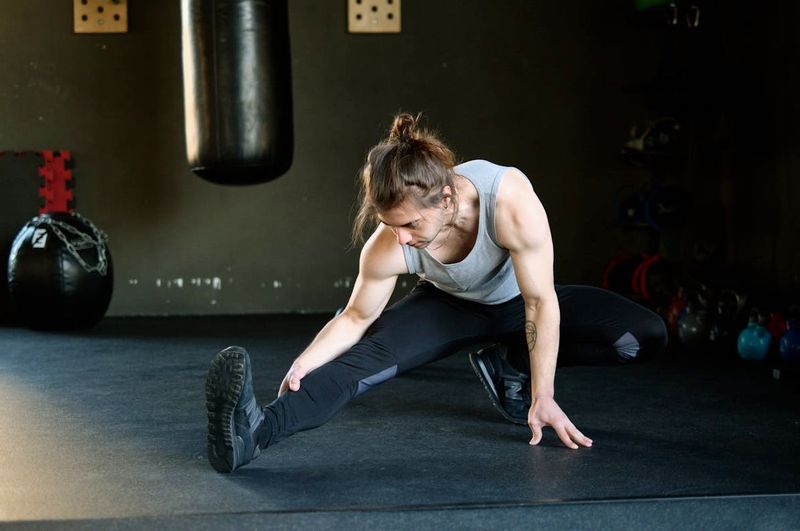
x: 530, y: 334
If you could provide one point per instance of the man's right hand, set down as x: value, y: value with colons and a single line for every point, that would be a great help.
x: 292, y: 379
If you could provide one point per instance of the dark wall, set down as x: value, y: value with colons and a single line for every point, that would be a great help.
x: 537, y: 85
x: 742, y: 85
x: 761, y: 175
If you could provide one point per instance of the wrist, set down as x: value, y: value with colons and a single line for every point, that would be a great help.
x: 542, y: 391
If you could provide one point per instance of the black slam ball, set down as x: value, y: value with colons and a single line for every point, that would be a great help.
x: 60, y: 274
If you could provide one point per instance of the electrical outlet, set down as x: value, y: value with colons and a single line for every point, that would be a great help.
x: 101, y: 16
x: 373, y: 16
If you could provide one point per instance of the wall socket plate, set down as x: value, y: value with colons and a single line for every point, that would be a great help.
x: 100, y: 16
x: 373, y: 16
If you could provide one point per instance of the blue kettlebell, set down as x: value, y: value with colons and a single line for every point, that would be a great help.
x: 790, y: 342
x: 753, y: 343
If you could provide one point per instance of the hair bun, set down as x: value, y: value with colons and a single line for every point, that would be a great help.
x: 404, y: 128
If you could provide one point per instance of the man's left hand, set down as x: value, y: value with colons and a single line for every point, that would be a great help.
x: 545, y: 412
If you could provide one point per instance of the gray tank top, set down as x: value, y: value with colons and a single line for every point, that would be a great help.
x: 486, y: 275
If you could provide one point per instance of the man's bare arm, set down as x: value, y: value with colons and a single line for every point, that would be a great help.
x: 380, y: 264
x: 523, y: 229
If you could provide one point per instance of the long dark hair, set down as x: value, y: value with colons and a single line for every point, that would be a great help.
x: 411, y: 163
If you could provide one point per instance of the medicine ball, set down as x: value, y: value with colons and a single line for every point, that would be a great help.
x: 60, y: 273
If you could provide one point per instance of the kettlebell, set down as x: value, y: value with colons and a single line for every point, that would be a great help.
x: 790, y: 342
x: 753, y: 343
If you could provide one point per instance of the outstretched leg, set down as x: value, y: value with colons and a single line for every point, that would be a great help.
x: 423, y: 327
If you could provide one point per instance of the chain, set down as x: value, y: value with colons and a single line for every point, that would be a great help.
x: 83, y: 241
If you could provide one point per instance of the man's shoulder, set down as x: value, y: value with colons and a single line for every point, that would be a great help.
x: 382, y: 256
x: 514, y: 189
x: 519, y: 210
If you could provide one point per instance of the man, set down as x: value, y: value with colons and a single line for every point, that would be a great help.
x: 478, y: 237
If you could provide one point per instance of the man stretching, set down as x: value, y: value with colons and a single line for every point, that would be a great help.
x: 478, y: 237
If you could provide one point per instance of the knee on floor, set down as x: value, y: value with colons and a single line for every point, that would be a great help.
x: 647, y: 339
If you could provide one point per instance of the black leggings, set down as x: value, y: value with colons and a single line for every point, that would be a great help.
x: 598, y: 327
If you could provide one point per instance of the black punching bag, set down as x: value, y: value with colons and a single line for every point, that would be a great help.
x: 237, y: 89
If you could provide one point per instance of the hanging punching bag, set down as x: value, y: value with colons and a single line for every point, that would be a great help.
x: 237, y: 89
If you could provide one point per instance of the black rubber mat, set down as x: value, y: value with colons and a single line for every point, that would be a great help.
x: 110, y: 424
x: 753, y: 513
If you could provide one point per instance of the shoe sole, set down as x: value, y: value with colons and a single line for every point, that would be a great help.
x: 223, y: 388
x: 486, y: 379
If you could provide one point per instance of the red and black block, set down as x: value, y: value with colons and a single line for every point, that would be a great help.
x: 56, y: 185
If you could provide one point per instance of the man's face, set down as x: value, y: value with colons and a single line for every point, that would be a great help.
x: 415, y: 226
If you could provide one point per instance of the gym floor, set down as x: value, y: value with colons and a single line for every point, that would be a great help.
x: 106, y: 429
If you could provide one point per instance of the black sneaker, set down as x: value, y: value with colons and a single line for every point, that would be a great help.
x: 234, y: 417
x: 509, y: 390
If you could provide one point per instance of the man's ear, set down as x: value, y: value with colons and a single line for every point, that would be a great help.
x: 447, y: 196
